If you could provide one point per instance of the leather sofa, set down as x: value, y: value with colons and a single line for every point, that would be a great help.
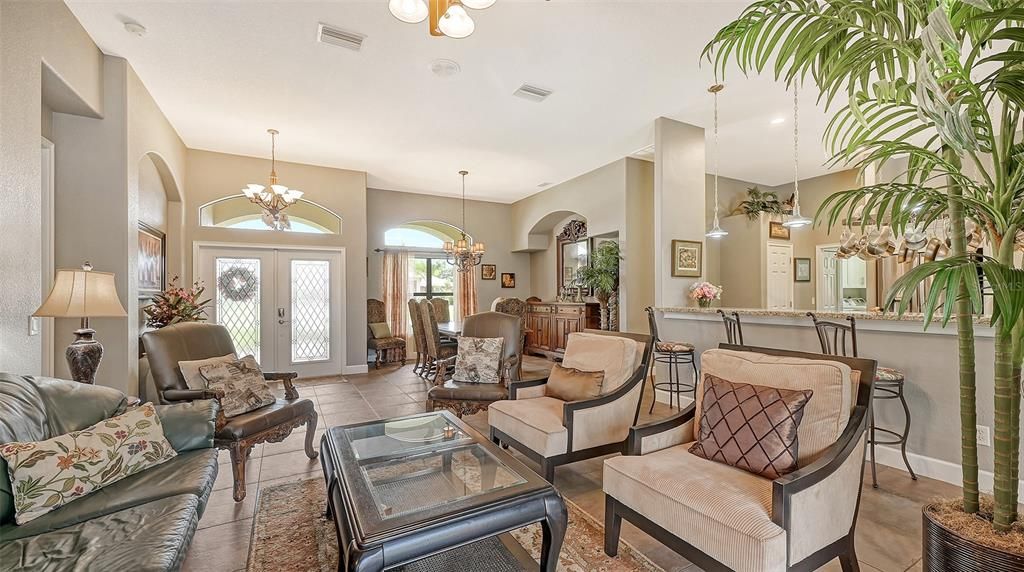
x: 144, y: 522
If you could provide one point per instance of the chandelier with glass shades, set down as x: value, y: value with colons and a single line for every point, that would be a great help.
x: 275, y: 198
x: 464, y: 254
x: 447, y: 17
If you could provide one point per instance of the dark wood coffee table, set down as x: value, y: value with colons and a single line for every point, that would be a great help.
x: 403, y: 489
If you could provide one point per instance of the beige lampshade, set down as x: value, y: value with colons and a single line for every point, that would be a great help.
x: 82, y: 294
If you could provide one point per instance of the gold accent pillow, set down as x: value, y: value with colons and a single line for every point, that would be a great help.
x: 242, y: 383
x: 380, y: 330
x: 750, y: 427
x: 46, y: 475
x: 570, y: 384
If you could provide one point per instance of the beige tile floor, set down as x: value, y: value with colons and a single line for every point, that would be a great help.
x: 888, y: 533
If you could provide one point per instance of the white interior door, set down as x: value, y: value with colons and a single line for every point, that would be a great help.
x: 284, y: 307
x: 828, y: 280
x: 780, y: 276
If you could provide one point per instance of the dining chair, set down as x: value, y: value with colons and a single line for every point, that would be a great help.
x: 733, y: 330
x: 437, y: 348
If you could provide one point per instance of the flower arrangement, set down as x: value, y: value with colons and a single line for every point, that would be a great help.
x: 704, y: 293
x: 176, y: 304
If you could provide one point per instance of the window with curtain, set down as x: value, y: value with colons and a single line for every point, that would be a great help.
x: 432, y: 277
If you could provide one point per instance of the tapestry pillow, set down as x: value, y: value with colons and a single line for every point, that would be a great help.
x: 750, y: 427
x: 571, y: 384
x: 478, y: 360
x: 242, y: 383
x: 380, y: 330
x: 48, y: 474
x: 190, y: 370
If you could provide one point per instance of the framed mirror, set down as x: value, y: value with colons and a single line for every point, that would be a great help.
x: 573, y: 254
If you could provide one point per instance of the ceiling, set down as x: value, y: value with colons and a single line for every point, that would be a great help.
x: 223, y: 72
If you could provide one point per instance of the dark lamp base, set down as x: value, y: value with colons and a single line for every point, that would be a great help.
x: 84, y: 355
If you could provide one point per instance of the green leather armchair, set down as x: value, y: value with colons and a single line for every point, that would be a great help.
x: 273, y: 423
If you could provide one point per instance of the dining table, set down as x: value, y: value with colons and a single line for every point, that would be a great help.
x: 451, y: 329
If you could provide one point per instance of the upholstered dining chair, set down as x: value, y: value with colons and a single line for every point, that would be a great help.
x: 554, y: 432
x: 191, y: 341
x: 437, y: 349
x: 724, y: 518
x: 387, y: 349
x: 442, y: 310
x: 466, y: 398
x: 419, y: 337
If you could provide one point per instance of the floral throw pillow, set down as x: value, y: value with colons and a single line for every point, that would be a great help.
x: 242, y: 383
x: 48, y: 474
x: 478, y: 360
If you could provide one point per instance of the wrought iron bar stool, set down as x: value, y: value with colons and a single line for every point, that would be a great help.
x: 888, y: 385
x: 673, y: 354
x: 733, y: 330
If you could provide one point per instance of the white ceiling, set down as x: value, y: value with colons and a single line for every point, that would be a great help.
x: 223, y: 72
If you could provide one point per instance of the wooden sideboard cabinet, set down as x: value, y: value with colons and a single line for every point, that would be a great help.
x: 550, y: 323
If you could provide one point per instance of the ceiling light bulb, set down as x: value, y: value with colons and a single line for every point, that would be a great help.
x: 478, y: 4
x: 456, y: 22
x: 409, y: 11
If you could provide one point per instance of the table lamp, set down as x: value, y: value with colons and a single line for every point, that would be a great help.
x: 83, y: 294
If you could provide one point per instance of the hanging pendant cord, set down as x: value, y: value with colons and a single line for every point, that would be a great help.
x: 463, y: 173
x: 716, y: 159
x: 796, y: 149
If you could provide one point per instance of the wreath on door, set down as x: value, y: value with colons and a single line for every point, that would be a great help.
x: 237, y: 284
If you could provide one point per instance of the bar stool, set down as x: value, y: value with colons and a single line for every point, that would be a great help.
x: 673, y: 354
x: 733, y: 330
x: 888, y: 385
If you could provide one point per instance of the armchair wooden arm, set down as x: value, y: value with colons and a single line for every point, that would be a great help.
x: 515, y: 387
x: 192, y: 394
x: 287, y: 377
x: 668, y: 432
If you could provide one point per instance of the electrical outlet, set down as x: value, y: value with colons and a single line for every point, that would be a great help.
x: 984, y: 436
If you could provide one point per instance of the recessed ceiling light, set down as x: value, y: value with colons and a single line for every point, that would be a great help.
x: 778, y: 121
x: 135, y: 28
x: 445, y: 68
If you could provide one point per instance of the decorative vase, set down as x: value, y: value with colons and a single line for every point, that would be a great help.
x: 946, y: 551
x: 704, y: 303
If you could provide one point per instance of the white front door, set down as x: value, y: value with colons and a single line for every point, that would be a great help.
x: 284, y: 307
x: 780, y: 276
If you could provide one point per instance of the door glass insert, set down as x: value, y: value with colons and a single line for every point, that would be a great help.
x: 238, y: 302
x: 311, y: 310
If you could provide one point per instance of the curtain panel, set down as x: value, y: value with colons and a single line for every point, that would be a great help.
x: 466, y: 293
x: 394, y: 290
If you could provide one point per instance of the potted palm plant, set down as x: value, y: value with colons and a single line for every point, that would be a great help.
x: 602, y: 275
x: 939, y: 83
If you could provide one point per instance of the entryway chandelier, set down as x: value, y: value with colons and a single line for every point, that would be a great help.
x: 463, y: 254
x: 447, y: 17
x: 275, y: 198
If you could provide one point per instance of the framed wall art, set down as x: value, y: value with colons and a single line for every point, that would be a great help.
x: 488, y: 271
x: 508, y: 279
x: 152, y: 261
x: 777, y: 231
x: 686, y: 258
x: 801, y: 269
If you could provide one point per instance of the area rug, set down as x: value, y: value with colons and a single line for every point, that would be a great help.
x: 290, y: 534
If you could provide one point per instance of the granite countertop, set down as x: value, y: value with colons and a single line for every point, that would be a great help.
x: 892, y: 317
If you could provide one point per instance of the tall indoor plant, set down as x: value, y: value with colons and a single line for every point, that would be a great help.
x: 940, y: 83
x: 602, y: 275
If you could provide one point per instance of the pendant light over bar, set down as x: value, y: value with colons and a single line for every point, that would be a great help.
x: 716, y: 230
x: 796, y: 220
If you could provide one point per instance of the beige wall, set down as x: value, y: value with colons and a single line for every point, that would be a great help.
x: 636, y: 271
x: 485, y: 221
x: 215, y: 175
x: 731, y: 192
x: 33, y: 35
x: 152, y: 198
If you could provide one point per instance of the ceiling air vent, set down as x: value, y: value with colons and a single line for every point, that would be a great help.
x: 338, y: 37
x: 532, y: 92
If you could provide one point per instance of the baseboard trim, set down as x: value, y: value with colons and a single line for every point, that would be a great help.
x: 354, y: 369
x: 938, y: 469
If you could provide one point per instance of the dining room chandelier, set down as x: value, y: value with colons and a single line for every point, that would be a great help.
x: 447, y: 17
x: 716, y: 230
x: 795, y: 219
x: 272, y: 199
x: 464, y: 254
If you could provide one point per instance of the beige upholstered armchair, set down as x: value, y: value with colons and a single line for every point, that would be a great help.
x: 724, y: 518
x: 554, y: 432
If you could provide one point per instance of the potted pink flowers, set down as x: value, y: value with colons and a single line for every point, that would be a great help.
x: 705, y: 293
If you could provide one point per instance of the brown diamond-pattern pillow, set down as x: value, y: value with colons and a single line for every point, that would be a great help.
x: 750, y: 427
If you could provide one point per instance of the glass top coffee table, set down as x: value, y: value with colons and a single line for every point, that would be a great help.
x: 403, y: 489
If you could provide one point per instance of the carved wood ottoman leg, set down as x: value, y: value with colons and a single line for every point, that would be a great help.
x: 239, y: 456
x: 311, y: 451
